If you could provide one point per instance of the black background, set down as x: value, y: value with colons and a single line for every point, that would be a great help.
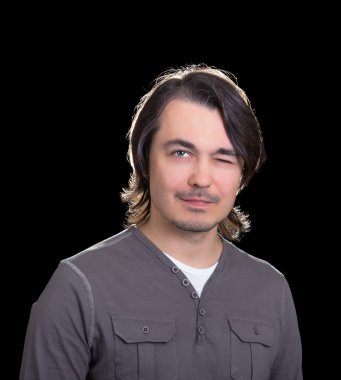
x: 75, y: 85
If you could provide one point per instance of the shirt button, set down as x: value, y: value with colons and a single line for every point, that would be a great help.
x: 256, y: 330
x: 202, y: 311
x: 185, y: 282
x: 145, y: 329
x: 194, y: 295
x: 175, y: 269
x: 201, y: 330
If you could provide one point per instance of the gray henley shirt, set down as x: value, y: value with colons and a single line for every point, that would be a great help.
x: 121, y: 310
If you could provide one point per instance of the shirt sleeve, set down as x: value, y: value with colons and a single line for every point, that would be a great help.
x: 288, y: 363
x: 60, y: 329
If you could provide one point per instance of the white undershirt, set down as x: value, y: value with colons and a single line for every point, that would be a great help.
x: 197, y: 276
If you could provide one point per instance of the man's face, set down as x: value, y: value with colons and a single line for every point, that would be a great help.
x: 194, y: 171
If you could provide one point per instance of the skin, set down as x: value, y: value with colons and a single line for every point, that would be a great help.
x: 194, y: 180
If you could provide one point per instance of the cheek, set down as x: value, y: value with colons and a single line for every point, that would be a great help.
x: 228, y: 186
x: 161, y: 184
x: 167, y: 177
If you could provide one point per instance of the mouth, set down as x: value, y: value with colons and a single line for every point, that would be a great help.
x: 196, y: 202
x: 199, y: 200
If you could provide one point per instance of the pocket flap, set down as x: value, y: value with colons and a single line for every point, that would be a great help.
x: 252, y: 331
x: 143, y: 330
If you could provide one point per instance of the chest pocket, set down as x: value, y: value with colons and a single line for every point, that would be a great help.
x: 250, y: 349
x: 144, y: 349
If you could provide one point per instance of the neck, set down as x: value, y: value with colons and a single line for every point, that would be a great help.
x: 197, y: 249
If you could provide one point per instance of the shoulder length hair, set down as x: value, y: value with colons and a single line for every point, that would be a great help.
x: 212, y: 88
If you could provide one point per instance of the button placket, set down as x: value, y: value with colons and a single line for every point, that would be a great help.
x: 185, y: 283
x: 201, y: 312
x: 194, y: 295
x: 200, y: 334
x: 175, y: 269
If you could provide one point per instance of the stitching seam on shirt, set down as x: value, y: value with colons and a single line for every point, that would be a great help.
x: 90, y: 297
x: 122, y: 235
x: 105, y: 243
x: 283, y: 296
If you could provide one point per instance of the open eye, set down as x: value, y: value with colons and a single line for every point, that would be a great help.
x: 180, y: 153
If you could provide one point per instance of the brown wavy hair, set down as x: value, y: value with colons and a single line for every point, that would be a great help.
x: 212, y: 88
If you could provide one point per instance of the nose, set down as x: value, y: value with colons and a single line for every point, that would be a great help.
x: 201, y: 175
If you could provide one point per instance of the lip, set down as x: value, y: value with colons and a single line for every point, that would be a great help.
x: 197, y: 202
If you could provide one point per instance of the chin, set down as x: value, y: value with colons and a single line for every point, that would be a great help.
x: 194, y: 226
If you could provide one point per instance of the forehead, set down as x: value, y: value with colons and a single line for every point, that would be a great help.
x: 194, y: 122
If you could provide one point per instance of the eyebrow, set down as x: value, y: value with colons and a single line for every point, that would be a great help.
x: 189, y: 145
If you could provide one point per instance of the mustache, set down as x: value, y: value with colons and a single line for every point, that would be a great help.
x: 202, y: 194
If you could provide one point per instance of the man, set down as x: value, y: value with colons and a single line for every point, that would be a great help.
x: 171, y: 297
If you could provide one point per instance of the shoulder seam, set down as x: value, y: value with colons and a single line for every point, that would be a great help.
x: 104, y: 243
x: 90, y: 298
x: 283, y: 306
